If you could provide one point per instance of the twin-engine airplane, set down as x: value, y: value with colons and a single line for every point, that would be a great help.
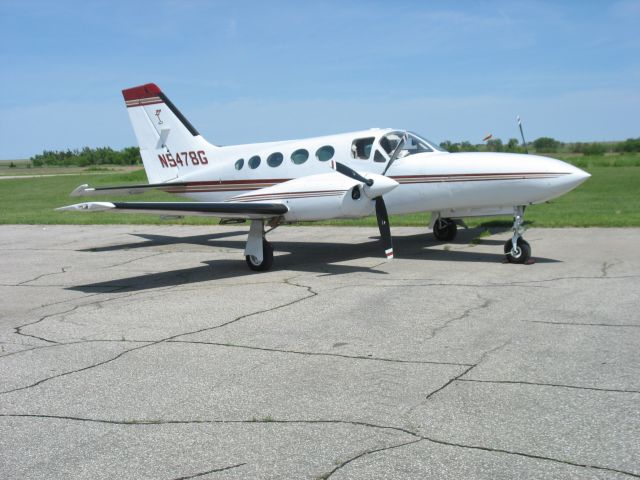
x: 339, y: 176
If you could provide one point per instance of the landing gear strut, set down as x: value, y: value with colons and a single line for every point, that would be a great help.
x: 517, y: 249
x: 258, y: 252
x: 445, y: 229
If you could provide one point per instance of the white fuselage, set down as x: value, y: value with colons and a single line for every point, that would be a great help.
x: 447, y: 184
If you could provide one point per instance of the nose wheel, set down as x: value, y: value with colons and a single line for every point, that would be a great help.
x: 517, y: 249
x: 522, y: 252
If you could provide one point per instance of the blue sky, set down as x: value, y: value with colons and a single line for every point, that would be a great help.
x: 256, y: 71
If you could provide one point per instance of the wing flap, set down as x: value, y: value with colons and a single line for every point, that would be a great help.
x: 212, y: 209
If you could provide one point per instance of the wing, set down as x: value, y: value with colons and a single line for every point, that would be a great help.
x: 249, y: 210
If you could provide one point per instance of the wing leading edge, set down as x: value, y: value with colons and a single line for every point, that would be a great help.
x: 212, y: 209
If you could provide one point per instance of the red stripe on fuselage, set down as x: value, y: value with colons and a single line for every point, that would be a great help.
x: 256, y: 184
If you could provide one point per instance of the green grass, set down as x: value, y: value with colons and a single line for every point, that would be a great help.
x: 609, y: 160
x: 26, y: 169
x: 32, y: 200
x: 609, y: 198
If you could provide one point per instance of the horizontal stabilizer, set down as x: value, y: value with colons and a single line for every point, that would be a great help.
x: 212, y: 209
x: 87, y: 191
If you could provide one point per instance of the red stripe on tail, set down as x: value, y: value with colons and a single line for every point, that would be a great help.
x: 143, y: 91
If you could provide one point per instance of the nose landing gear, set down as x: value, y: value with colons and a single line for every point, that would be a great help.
x: 517, y: 249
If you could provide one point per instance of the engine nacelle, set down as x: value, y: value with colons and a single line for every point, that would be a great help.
x: 317, y: 197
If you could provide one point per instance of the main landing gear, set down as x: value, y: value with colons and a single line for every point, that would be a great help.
x: 445, y: 229
x: 517, y: 249
x: 258, y: 251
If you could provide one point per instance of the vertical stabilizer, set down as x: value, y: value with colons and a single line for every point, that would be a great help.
x: 170, y: 146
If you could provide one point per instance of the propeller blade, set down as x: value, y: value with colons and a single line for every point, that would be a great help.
x: 349, y: 172
x: 383, y: 225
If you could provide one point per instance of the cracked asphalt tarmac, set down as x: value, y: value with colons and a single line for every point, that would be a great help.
x: 153, y: 352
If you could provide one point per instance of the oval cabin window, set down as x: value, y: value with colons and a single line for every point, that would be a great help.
x: 274, y: 159
x: 325, y: 153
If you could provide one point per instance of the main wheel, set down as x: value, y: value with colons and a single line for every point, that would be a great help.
x: 523, y: 253
x: 445, y: 229
x: 267, y: 258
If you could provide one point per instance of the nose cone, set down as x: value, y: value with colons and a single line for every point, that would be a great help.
x: 381, y: 185
x: 575, y: 176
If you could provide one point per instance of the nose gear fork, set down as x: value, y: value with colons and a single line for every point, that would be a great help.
x: 517, y: 229
x: 517, y: 249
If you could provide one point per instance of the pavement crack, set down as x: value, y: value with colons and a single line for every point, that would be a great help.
x: 586, y: 277
x: 115, y: 289
x: 576, y: 324
x: 32, y: 348
x: 319, y: 354
x: 251, y: 347
x: 531, y: 455
x: 418, y: 283
x: 214, y: 470
x: 172, y: 337
x: 135, y: 260
x: 417, y: 437
x: 143, y: 422
x: 485, y: 304
x: 71, y: 372
x: 542, y: 384
x: 288, y: 281
x: 492, y: 350
x: 62, y: 270
x: 464, y: 372
x: 18, y: 330
x: 368, y: 452
x: 459, y: 376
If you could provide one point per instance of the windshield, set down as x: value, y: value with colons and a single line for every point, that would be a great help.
x: 433, y: 145
x: 410, y: 142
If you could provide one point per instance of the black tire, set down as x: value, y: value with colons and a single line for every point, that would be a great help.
x: 445, y: 230
x: 267, y: 258
x: 523, y: 255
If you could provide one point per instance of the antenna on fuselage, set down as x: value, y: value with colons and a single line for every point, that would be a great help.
x: 524, y: 143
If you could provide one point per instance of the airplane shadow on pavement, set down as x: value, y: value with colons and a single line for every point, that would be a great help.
x: 301, y: 256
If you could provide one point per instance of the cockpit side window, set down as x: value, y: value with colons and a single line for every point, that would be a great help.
x: 379, y: 157
x: 390, y: 141
x: 361, y: 148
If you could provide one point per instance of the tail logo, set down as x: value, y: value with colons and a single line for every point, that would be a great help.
x: 158, y: 115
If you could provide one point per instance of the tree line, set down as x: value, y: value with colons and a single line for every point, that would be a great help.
x: 546, y: 145
x: 88, y: 157
x: 131, y: 155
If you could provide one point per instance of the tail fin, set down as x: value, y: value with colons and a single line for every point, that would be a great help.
x: 170, y: 146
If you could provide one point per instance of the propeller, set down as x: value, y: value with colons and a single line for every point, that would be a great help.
x: 351, y: 173
x: 381, y: 208
x: 383, y: 226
